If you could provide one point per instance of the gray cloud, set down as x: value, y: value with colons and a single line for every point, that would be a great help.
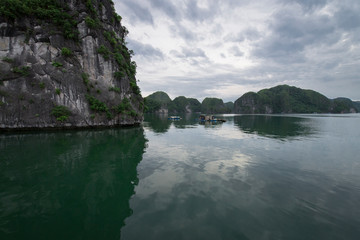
x: 138, y: 12
x: 288, y: 25
x: 308, y: 5
x: 180, y: 31
x: 167, y: 7
x: 234, y: 50
x: 217, y: 30
x: 291, y: 33
x: 194, y: 52
x: 177, y: 54
x: 251, y: 34
x: 189, y: 53
x: 231, y: 37
x: 348, y: 17
x: 195, y: 13
x: 145, y: 50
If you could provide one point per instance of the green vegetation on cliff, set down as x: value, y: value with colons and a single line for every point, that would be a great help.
x: 195, y: 105
x: 161, y: 102
x: 49, y: 10
x: 156, y: 101
x: 160, y: 96
x: 184, y: 105
x: 229, y: 106
x: 213, y: 105
x: 357, y: 105
x: 344, y: 105
x: 287, y: 99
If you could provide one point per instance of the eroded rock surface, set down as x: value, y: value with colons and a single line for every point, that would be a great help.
x: 56, y: 76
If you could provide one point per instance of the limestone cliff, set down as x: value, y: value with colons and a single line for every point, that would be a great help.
x: 65, y: 64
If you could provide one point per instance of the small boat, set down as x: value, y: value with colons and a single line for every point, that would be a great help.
x: 174, y: 118
x: 210, y: 118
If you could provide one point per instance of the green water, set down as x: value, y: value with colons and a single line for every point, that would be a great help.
x: 253, y: 177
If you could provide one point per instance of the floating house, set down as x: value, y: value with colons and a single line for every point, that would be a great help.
x: 210, y: 118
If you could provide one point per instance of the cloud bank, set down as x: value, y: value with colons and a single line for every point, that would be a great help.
x: 226, y: 48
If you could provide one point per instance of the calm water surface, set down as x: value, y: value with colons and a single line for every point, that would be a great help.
x: 253, y: 177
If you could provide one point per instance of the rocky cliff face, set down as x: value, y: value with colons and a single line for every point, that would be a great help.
x: 65, y: 64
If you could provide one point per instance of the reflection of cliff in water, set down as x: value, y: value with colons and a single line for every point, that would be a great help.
x: 73, y: 185
x: 157, y: 123
x: 188, y: 120
x: 274, y: 126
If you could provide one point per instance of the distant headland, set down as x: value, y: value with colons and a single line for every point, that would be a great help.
x: 279, y: 99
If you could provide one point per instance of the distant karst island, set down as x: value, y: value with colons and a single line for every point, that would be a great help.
x: 279, y: 99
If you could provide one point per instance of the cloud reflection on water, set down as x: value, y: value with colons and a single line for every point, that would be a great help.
x: 238, y: 181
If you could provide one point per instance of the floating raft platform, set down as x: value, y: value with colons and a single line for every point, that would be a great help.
x: 210, y: 118
x: 174, y: 118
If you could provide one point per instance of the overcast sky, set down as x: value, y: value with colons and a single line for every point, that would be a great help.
x: 225, y: 48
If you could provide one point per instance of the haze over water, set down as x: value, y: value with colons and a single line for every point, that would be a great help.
x: 253, y: 177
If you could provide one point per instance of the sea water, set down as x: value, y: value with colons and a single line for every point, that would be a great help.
x: 252, y: 177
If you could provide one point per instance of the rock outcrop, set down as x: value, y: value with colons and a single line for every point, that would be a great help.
x: 65, y: 64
